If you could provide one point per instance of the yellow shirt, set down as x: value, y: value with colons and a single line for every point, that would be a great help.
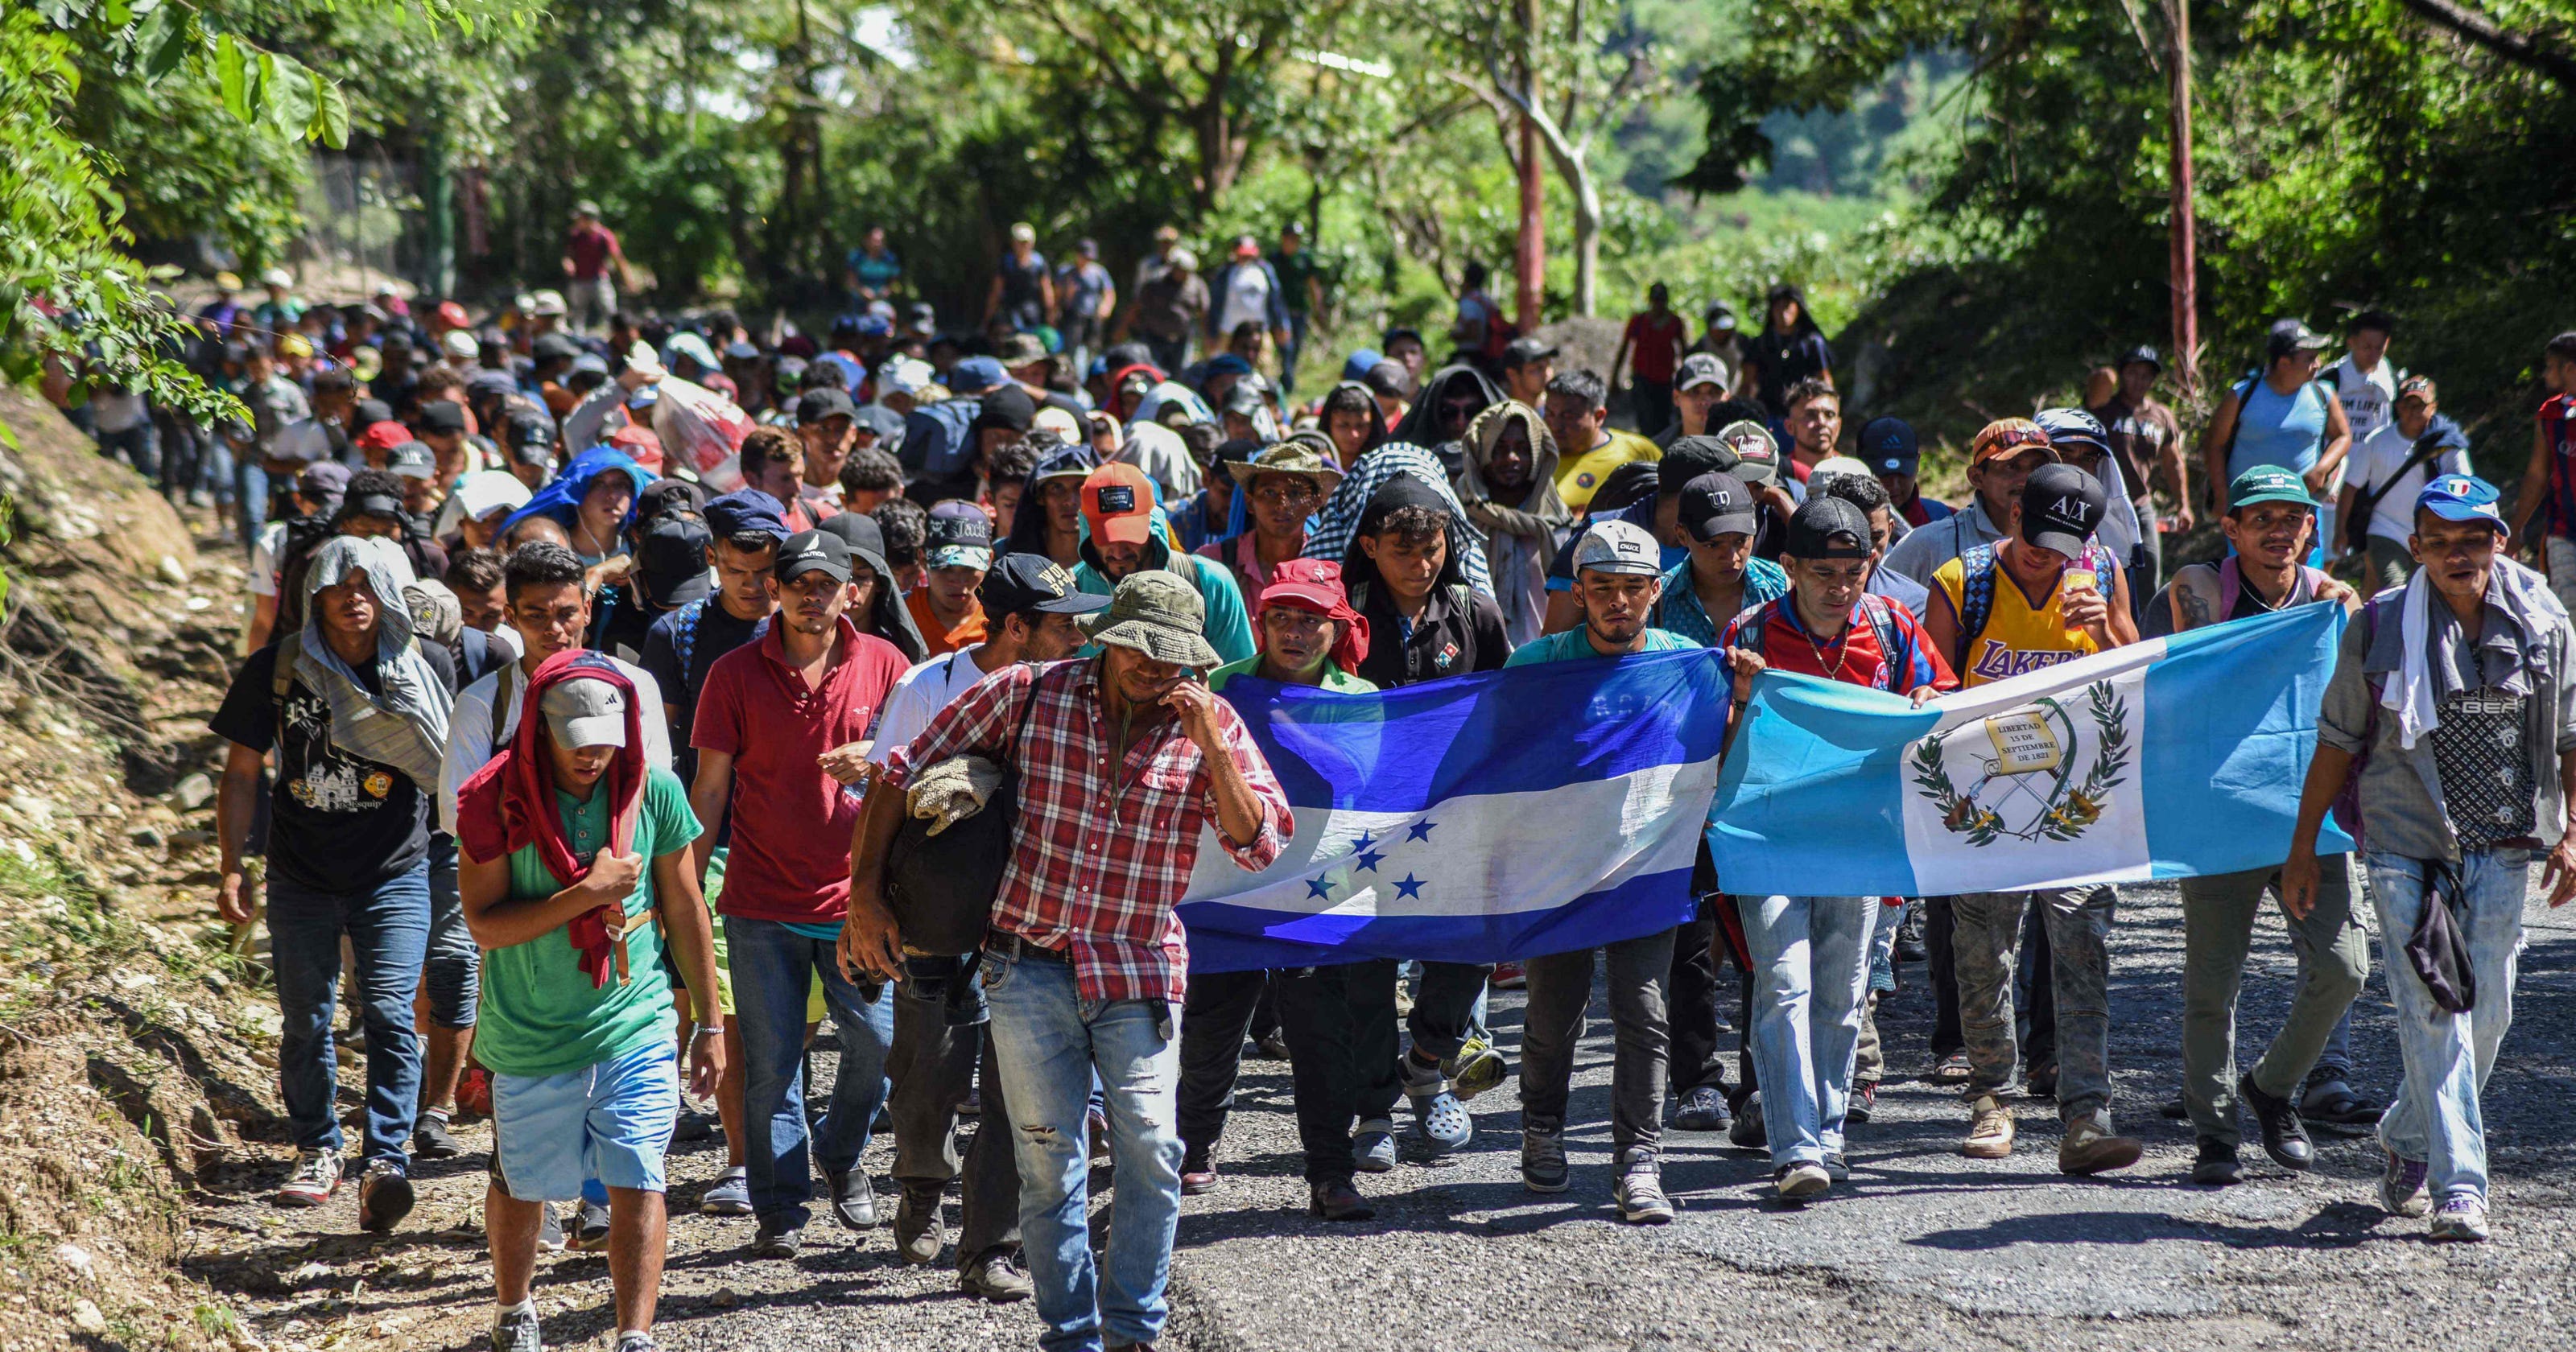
x: 1578, y: 476
x: 2018, y: 637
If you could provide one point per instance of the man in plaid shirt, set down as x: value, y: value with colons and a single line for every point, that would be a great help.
x: 1123, y: 759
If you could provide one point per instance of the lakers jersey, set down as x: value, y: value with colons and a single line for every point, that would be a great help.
x: 2002, y: 633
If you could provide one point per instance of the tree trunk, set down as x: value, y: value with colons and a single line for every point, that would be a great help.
x: 1587, y: 235
x: 2185, y: 262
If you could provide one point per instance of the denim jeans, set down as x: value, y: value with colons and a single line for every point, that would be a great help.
x: 1811, y: 973
x: 1288, y: 354
x: 2218, y: 913
x: 1049, y: 1044
x: 454, y: 971
x: 1560, y: 989
x: 388, y: 929
x: 933, y: 1068
x: 250, y: 494
x: 773, y: 971
x: 2448, y: 1056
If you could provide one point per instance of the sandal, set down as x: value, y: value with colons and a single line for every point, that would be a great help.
x: 1952, y: 1069
x: 2334, y: 1104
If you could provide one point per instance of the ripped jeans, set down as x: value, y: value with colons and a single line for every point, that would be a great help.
x: 1049, y: 1043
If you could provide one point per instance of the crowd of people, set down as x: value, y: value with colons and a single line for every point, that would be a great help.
x: 595, y: 764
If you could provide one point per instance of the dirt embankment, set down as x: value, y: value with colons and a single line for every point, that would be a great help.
x: 133, y: 1063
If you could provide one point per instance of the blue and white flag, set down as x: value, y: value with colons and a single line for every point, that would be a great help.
x: 1476, y: 819
x: 2170, y: 758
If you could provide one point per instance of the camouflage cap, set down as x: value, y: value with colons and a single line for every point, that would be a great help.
x: 1158, y: 614
x: 1297, y: 455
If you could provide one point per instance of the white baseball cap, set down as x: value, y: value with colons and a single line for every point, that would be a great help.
x: 1618, y: 547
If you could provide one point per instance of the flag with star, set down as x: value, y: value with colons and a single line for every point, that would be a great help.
x: 1478, y: 819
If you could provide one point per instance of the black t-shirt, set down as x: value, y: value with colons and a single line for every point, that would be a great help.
x: 338, y: 823
x: 1780, y: 360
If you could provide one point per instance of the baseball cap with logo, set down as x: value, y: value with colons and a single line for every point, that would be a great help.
x: 2290, y: 335
x: 1717, y: 504
x: 1027, y: 583
x: 812, y: 551
x: 2060, y: 506
x: 957, y: 535
x: 413, y: 460
x: 584, y: 711
x: 1118, y: 504
x: 2461, y: 497
x: 2005, y: 438
x: 2417, y: 387
x: 1697, y: 369
x: 1618, y: 547
x: 1757, y: 455
x: 1890, y: 446
x: 1828, y: 528
x: 2268, y: 483
x: 746, y: 509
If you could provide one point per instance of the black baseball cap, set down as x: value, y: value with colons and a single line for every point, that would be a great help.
x: 553, y: 347
x: 1890, y: 446
x: 369, y: 412
x: 1523, y: 351
x: 2289, y: 335
x: 1029, y: 583
x: 2143, y: 353
x: 813, y: 551
x: 2060, y: 506
x: 1828, y: 528
x: 441, y: 418
x: 827, y: 402
x: 1716, y: 504
x: 671, y: 559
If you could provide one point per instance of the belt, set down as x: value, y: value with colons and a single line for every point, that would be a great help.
x: 1014, y: 947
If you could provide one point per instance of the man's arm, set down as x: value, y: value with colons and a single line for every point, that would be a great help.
x: 2533, y: 491
x: 2338, y: 442
x: 2213, y: 452
x: 993, y: 298
x: 1108, y: 301
x: 236, y: 801
x: 871, y: 942
x: 1618, y: 359
x: 499, y: 921
x: 708, y: 795
x: 2177, y: 470
x: 2327, y: 770
x: 690, y: 936
x: 1244, y: 814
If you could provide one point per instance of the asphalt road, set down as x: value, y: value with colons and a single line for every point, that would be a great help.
x: 1924, y: 1248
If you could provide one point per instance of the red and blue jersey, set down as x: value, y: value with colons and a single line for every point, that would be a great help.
x: 2558, y: 432
x: 1858, y: 656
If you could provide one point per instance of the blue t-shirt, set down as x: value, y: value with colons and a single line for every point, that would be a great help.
x: 1573, y: 646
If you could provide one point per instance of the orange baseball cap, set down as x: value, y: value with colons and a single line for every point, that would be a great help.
x: 2006, y: 437
x: 1118, y: 504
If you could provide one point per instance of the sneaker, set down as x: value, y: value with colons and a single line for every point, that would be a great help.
x: 1374, y: 1145
x: 550, y: 1235
x: 1748, y: 1132
x: 1543, y: 1160
x: 2216, y: 1166
x: 729, y: 1195
x: 1271, y: 1047
x: 996, y: 1277
x: 1703, y: 1109
x: 2089, y: 1147
x: 316, y: 1177
x: 2462, y: 1218
x: 2174, y: 1109
x: 515, y: 1330
x: 1508, y: 976
x: 1801, y: 1180
x: 1952, y: 1069
x: 2401, y: 1187
x: 1198, y: 1173
x: 1444, y: 1118
x: 919, y: 1233
x: 1096, y: 1126
x: 854, y: 1198
x: 1990, y: 1129
x: 431, y: 1140
x: 777, y: 1237
x: 384, y: 1196
x: 1838, y: 1167
x: 2285, y: 1138
x: 1476, y: 1068
x: 637, y: 1340
x: 1862, y: 1103
x: 590, y: 1226
x: 1640, y: 1190
x: 1337, y: 1202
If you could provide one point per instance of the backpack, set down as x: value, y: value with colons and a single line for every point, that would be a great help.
x: 1977, y: 589
x: 936, y: 438
x: 1873, y: 608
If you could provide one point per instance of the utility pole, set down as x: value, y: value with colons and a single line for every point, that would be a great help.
x: 2186, y: 259
x: 1529, y: 266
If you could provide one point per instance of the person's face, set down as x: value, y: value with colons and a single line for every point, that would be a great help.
x: 369, y: 527
x: 1882, y: 524
x: 1054, y: 638
x: 1512, y: 457
x: 1723, y: 559
x: 1999, y: 479
x: 1616, y: 605
x: 1456, y: 408
x: 420, y: 496
x: 348, y: 608
x: 1061, y: 499
x: 1294, y: 642
x: 1528, y: 380
x: 333, y: 406
x: 1139, y: 680
x: 1784, y: 315
x: 1282, y: 502
x: 2299, y: 367
x: 2414, y: 414
x: 779, y: 478
x: 2271, y: 533
x: 550, y: 617
x: 1006, y: 505
x: 1349, y: 429
x: 1900, y: 487
x: 484, y: 610
x: 743, y: 576
x: 1119, y: 558
x: 1815, y: 424
x: 1407, y: 353
x: 1658, y: 299
x: 876, y: 241
x: 1574, y: 423
x: 2136, y: 380
x: 2459, y: 554
x: 480, y: 532
x: 1245, y: 345
x: 1409, y: 566
x: 2558, y: 373
x: 534, y: 476
x: 827, y: 444
x: 955, y: 588
x: 579, y: 767
x: 1827, y: 586
x: 813, y: 602
x: 1238, y: 426
x: 2368, y: 346
x: 604, y: 507
x: 2084, y: 455
x: 1696, y: 401
x: 1290, y: 241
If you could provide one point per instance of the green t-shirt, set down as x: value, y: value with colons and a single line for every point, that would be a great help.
x: 1336, y: 680
x: 539, y: 1014
x: 1572, y: 646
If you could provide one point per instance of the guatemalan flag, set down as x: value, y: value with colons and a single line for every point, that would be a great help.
x: 1476, y: 819
x: 2170, y: 758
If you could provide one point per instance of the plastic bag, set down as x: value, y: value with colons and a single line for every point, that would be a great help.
x: 700, y: 431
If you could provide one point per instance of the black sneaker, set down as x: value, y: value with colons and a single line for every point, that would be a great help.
x: 777, y: 1237
x: 431, y: 1140
x: 1748, y: 1132
x: 384, y: 1196
x: 1703, y: 1109
x: 2216, y: 1166
x: 1543, y: 1166
x: 2285, y: 1138
x: 1862, y: 1104
x: 590, y: 1226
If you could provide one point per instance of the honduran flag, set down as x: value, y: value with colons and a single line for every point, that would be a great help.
x: 2170, y: 758
x: 1481, y: 818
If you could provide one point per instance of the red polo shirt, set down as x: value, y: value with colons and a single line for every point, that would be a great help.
x: 791, y: 822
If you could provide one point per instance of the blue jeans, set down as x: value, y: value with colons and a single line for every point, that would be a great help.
x: 1288, y: 354
x: 250, y: 494
x: 773, y: 971
x: 2447, y: 1056
x: 1049, y: 1042
x: 1810, y: 976
x: 389, y: 930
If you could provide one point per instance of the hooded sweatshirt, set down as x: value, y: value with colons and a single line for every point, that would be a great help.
x: 1459, y: 630
x: 1519, y: 536
x: 1028, y: 524
x: 1228, y: 629
x: 1421, y: 424
x: 1376, y: 424
x: 560, y: 501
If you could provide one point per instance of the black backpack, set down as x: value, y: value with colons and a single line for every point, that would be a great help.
x: 941, y: 888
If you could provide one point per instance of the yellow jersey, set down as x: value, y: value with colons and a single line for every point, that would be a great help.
x: 2017, y: 636
x: 1578, y: 476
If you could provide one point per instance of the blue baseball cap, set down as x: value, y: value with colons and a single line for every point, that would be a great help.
x: 746, y: 509
x: 2461, y: 497
x: 975, y: 375
x: 1890, y: 446
x: 1356, y: 366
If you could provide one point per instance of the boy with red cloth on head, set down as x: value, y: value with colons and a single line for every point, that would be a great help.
x: 573, y: 846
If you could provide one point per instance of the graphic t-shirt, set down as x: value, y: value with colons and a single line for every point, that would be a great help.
x: 539, y: 1014
x: 1573, y: 646
x: 1579, y: 477
x: 337, y: 823
x: 2019, y: 637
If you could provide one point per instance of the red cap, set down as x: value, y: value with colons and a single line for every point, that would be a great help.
x: 384, y: 436
x: 1118, y: 505
x: 452, y: 314
x: 1246, y: 248
x: 640, y: 446
x: 1316, y: 585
